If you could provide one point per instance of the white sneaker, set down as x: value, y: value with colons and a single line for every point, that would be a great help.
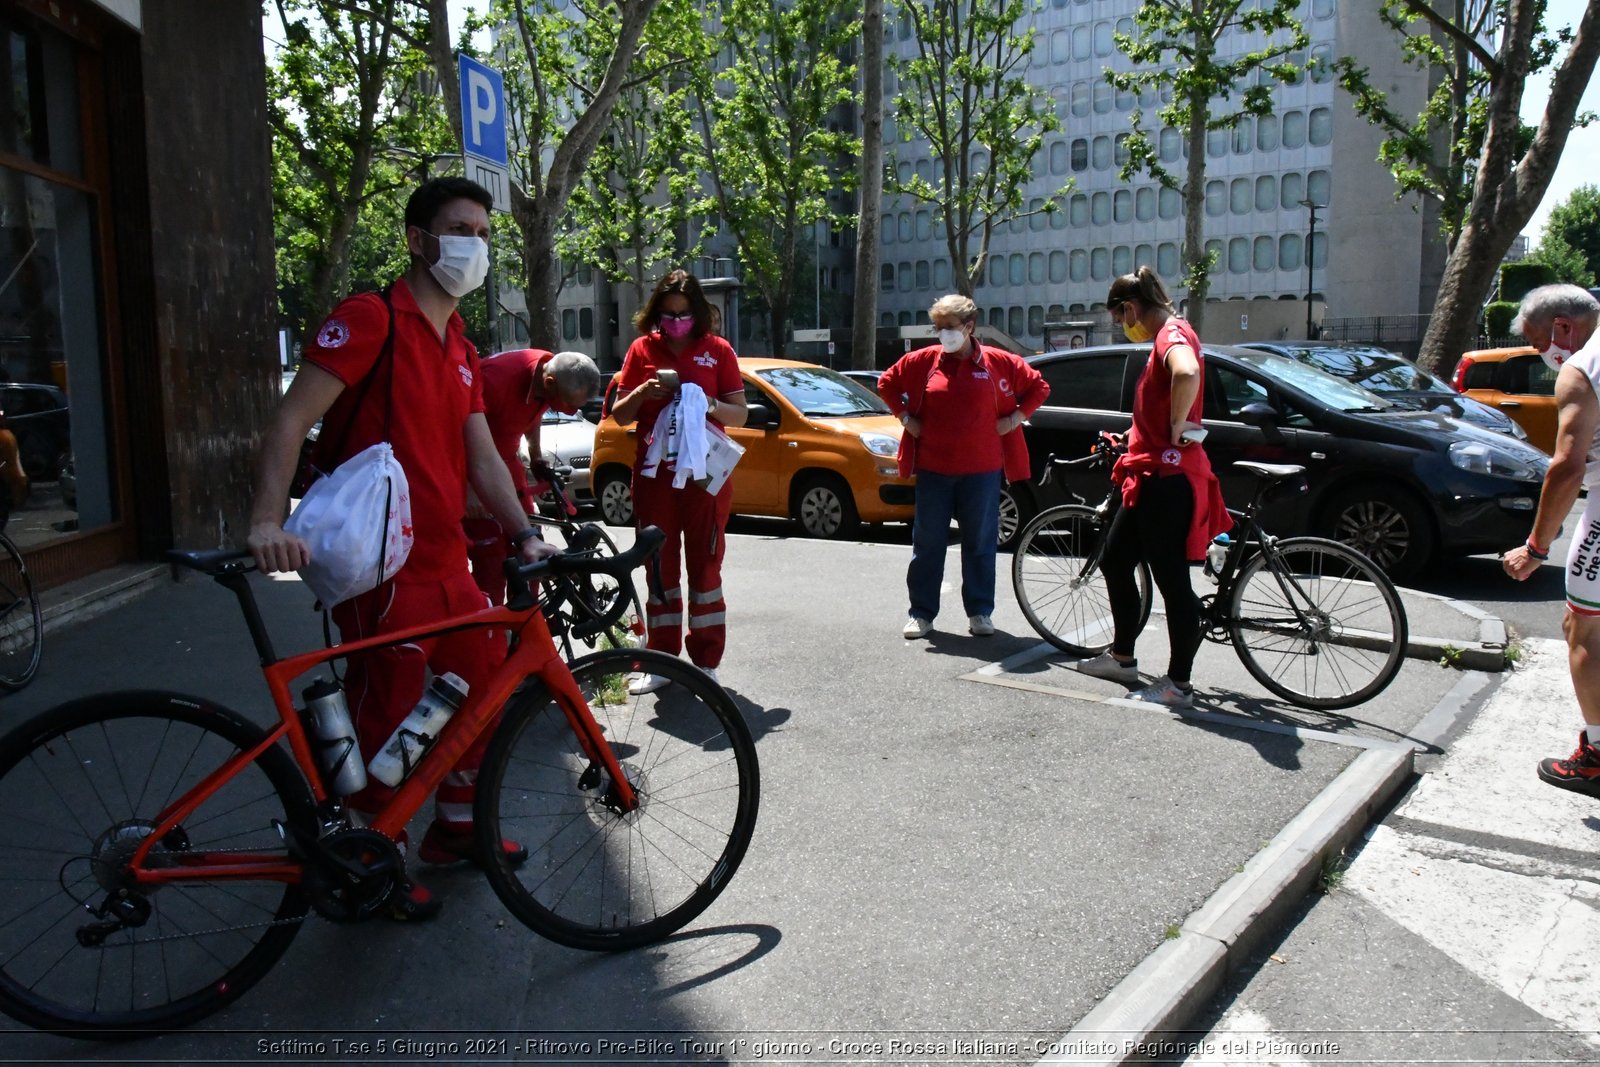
x: 916, y: 627
x: 980, y: 626
x: 1107, y: 666
x: 647, y: 683
x: 1164, y: 691
x: 710, y: 672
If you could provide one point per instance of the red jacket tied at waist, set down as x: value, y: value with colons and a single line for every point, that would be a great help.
x: 1210, y: 516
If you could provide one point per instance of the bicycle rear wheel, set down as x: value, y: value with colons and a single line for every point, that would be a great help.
x: 85, y: 951
x: 1056, y: 574
x: 595, y: 878
x: 1318, y: 623
x: 21, y: 626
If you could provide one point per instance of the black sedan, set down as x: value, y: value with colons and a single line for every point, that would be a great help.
x: 1400, y: 381
x: 1403, y: 486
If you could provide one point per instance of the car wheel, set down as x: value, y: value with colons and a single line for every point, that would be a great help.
x: 1387, y: 526
x: 615, y: 497
x: 1016, y: 508
x: 824, y: 507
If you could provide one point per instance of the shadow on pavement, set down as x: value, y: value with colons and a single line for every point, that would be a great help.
x: 1257, y: 710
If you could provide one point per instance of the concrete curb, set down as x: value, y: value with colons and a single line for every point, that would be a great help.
x: 1137, y: 1021
x: 98, y: 593
x: 1488, y: 655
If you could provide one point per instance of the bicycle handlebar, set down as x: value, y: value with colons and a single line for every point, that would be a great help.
x: 618, y: 566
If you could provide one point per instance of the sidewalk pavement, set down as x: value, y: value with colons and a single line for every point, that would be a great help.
x: 959, y: 836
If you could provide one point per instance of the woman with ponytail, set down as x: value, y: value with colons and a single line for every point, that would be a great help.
x: 1173, y: 501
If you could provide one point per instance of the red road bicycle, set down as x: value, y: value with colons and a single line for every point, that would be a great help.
x: 158, y: 852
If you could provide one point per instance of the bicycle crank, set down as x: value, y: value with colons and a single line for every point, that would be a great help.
x: 352, y: 873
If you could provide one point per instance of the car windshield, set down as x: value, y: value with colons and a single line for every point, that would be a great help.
x: 1334, y: 392
x: 822, y: 393
x: 1377, y: 369
x: 552, y: 416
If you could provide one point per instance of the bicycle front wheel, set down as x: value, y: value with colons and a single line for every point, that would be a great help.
x: 21, y: 625
x: 597, y: 878
x: 1318, y: 623
x: 84, y: 949
x: 1056, y: 574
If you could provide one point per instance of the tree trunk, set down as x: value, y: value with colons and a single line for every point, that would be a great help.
x: 1196, y: 280
x: 864, y: 327
x: 442, y: 54
x: 543, y: 273
x: 1507, y: 191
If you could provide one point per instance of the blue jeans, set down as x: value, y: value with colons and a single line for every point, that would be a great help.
x: 973, y: 500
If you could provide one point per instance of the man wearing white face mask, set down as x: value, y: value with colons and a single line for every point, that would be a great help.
x: 962, y: 404
x: 396, y: 366
x: 1560, y: 321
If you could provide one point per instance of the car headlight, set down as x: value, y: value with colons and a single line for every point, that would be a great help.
x: 881, y: 444
x: 1482, y: 458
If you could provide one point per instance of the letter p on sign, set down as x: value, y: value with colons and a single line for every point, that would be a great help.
x: 483, y: 129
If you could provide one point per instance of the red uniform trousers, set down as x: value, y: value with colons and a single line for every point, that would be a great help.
x: 696, y: 519
x: 384, y: 684
x: 487, y: 551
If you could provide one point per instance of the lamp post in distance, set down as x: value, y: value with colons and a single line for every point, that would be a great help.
x: 1311, y: 242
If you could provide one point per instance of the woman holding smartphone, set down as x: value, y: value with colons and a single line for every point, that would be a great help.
x: 1171, y: 500
x: 676, y: 350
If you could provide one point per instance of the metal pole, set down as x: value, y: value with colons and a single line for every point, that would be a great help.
x: 1311, y: 270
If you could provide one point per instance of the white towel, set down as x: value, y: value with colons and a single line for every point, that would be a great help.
x: 679, y: 437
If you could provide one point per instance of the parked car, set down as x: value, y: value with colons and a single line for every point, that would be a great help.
x: 1403, y: 486
x: 38, y: 416
x: 1394, y: 377
x: 818, y: 447
x: 567, y: 442
x: 1517, y: 382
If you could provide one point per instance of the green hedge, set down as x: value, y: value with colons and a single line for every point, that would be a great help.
x: 1497, y: 317
x: 1517, y: 280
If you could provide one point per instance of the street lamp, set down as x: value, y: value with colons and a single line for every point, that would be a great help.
x: 1311, y: 242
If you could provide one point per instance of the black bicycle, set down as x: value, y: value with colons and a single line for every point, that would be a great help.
x: 1313, y: 620
x: 21, y: 623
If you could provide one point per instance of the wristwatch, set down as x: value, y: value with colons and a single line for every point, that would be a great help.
x: 522, y: 535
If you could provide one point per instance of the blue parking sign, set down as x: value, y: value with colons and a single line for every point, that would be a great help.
x: 483, y: 112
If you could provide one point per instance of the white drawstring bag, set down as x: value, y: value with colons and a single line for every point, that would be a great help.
x: 357, y: 523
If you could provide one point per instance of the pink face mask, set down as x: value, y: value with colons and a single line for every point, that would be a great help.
x: 677, y: 329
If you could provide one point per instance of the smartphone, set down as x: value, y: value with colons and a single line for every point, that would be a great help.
x: 668, y: 378
x: 1192, y: 437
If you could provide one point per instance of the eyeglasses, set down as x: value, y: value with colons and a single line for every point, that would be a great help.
x: 687, y: 316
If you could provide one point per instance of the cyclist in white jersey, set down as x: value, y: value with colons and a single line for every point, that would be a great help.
x: 1560, y: 321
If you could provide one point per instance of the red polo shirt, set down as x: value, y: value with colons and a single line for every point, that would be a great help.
x: 512, y: 409
x: 708, y: 362
x: 435, y: 387
x: 958, y: 416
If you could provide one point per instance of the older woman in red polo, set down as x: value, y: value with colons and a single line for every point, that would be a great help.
x: 962, y: 404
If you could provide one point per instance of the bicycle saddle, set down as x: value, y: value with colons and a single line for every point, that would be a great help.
x: 210, y: 560
x: 1272, y: 471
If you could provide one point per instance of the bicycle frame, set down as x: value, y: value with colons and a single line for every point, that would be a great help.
x: 534, y: 653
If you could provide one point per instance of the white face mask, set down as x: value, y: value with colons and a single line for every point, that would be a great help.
x: 952, y: 340
x: 1554, y: 356
x: 463, y: 264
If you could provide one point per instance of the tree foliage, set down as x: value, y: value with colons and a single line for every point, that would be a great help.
x: 1571, y: 240
x: 1177, y: 51
x: 964, y: 93
x: 1509, y: 169
x: 774, y: 147
x: 353, y: 125
x: 564, y: 72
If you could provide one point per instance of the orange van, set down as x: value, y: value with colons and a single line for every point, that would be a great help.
x: 818, y: 447
x: 1516, y: 381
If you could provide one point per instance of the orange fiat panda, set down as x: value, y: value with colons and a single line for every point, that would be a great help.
x: 818, y: 447
x: 1516, y: 381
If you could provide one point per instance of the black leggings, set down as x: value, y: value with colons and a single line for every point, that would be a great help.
x: 1156, y: 530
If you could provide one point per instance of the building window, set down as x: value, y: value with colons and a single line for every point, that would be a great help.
x: 1014, y: 321
x: 1294, y: 129
x: 1082, y: 42
x: 997, y: 270
x: 1320, y: 65
x: 1080, y: 154
x: 1319, y: 189
x: 1100, y: 264
x: 586, y: 323
x: 1216, y: 198
x: 1167, y: 260
x: 1103, y: 44
x: 1318, y: 244
x: 1078, y: 208
x: 1144, y: 204
x: 1060, y: 46
x: 1035, y: 320
x: 1216, y: 143
x: 1267, y: 133
x: 1100, y: 208
x: 923, y: 274
x: 905, y: 318
x: 1170, y: 203
x: 1239, y: 196
x: 1058, y: 267
x: 1103, y: 98
x: 1100, y: 149
x: 1119, y: 150
x: 1266, y: 193
x: 1289, y: 252
x: 905, y: 225
x: 1122, y: 206
x: 1171, y: 144
x: 1265, y: 253
x: 886, y: 320
x: 886, y: 228
x: 1243, y: 134
x: 1080, y: 99
x: 903, y: 272
x: 1291, y: 190
x: 1321, y: 126
x: 585, y: 274
x: 569, y: 324
x: 1121, y: 260
x: 886, y: 278
x: 1238, y: 255
x: 1036, y: 220
x: 1058, y: 157
x: 1058, y: 217
x: 1144, y: 256
x: 980, y: 162
x: 1017, y: 268
x: 1035, y: 268
x: 1079, y: 265
x: 997, y: 318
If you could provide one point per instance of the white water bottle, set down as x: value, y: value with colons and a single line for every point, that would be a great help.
x: 334, y: 738
x: 401, y: 753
